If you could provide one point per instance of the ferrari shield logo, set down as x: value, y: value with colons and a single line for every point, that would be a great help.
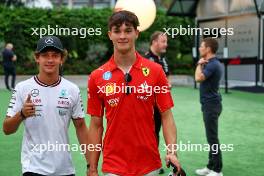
x: 109, y: 89
x: 145, y: 71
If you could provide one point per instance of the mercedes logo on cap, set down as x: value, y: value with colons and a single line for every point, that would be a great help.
x: 49, y: 40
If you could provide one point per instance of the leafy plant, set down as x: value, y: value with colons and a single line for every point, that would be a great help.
x: 88, y: 52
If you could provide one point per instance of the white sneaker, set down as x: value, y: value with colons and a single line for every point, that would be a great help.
x: 203, y: 171
x: 213, y: 173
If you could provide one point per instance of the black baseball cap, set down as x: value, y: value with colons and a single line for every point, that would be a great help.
x: 49, y: 42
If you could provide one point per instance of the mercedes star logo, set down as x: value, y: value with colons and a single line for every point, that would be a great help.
x: 34, y: 92
x: 49, y: 40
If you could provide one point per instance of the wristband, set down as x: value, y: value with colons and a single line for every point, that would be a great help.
x: 22, y: 115
x: 88, y: 166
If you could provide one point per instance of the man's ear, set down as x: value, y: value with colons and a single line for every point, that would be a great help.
x: 64, y: 56
x: 137, y: 33
x: 208, y: 49
x: 109, y: 35
x: 63, y: 59
x: 36, y: 57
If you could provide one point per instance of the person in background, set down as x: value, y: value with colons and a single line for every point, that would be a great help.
x: 208, y: 72
x: 9, y: 58
x: 156, y: 53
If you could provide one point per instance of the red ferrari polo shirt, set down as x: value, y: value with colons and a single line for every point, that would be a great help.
x: 129, y: 147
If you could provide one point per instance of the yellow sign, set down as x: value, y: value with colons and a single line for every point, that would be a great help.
x: 145, y: 71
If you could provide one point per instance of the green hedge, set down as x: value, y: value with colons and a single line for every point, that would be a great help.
x: 85, y: 54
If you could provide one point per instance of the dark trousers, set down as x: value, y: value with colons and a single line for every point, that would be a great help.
x: 34, y: 174
x: 211, y: 112
x: 10, y: 71
x: 157, y: 119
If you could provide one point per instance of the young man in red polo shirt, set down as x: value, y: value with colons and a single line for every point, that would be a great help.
x: 126, y: 88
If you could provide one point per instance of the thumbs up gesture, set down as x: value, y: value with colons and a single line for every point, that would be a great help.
x: 28, y: 107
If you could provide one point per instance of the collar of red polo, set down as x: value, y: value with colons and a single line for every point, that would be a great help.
x: 138, y: 63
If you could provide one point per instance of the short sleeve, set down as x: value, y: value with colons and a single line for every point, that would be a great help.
x: 209, y: 69
x: 95, y: 106
x: 15, y: 104
x: 77, y: 110
x: 163, y: 97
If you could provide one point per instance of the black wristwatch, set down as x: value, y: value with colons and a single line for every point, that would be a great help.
x: 88, y: 166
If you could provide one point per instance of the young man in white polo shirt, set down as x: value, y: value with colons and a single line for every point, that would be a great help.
x: 45, y: 104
